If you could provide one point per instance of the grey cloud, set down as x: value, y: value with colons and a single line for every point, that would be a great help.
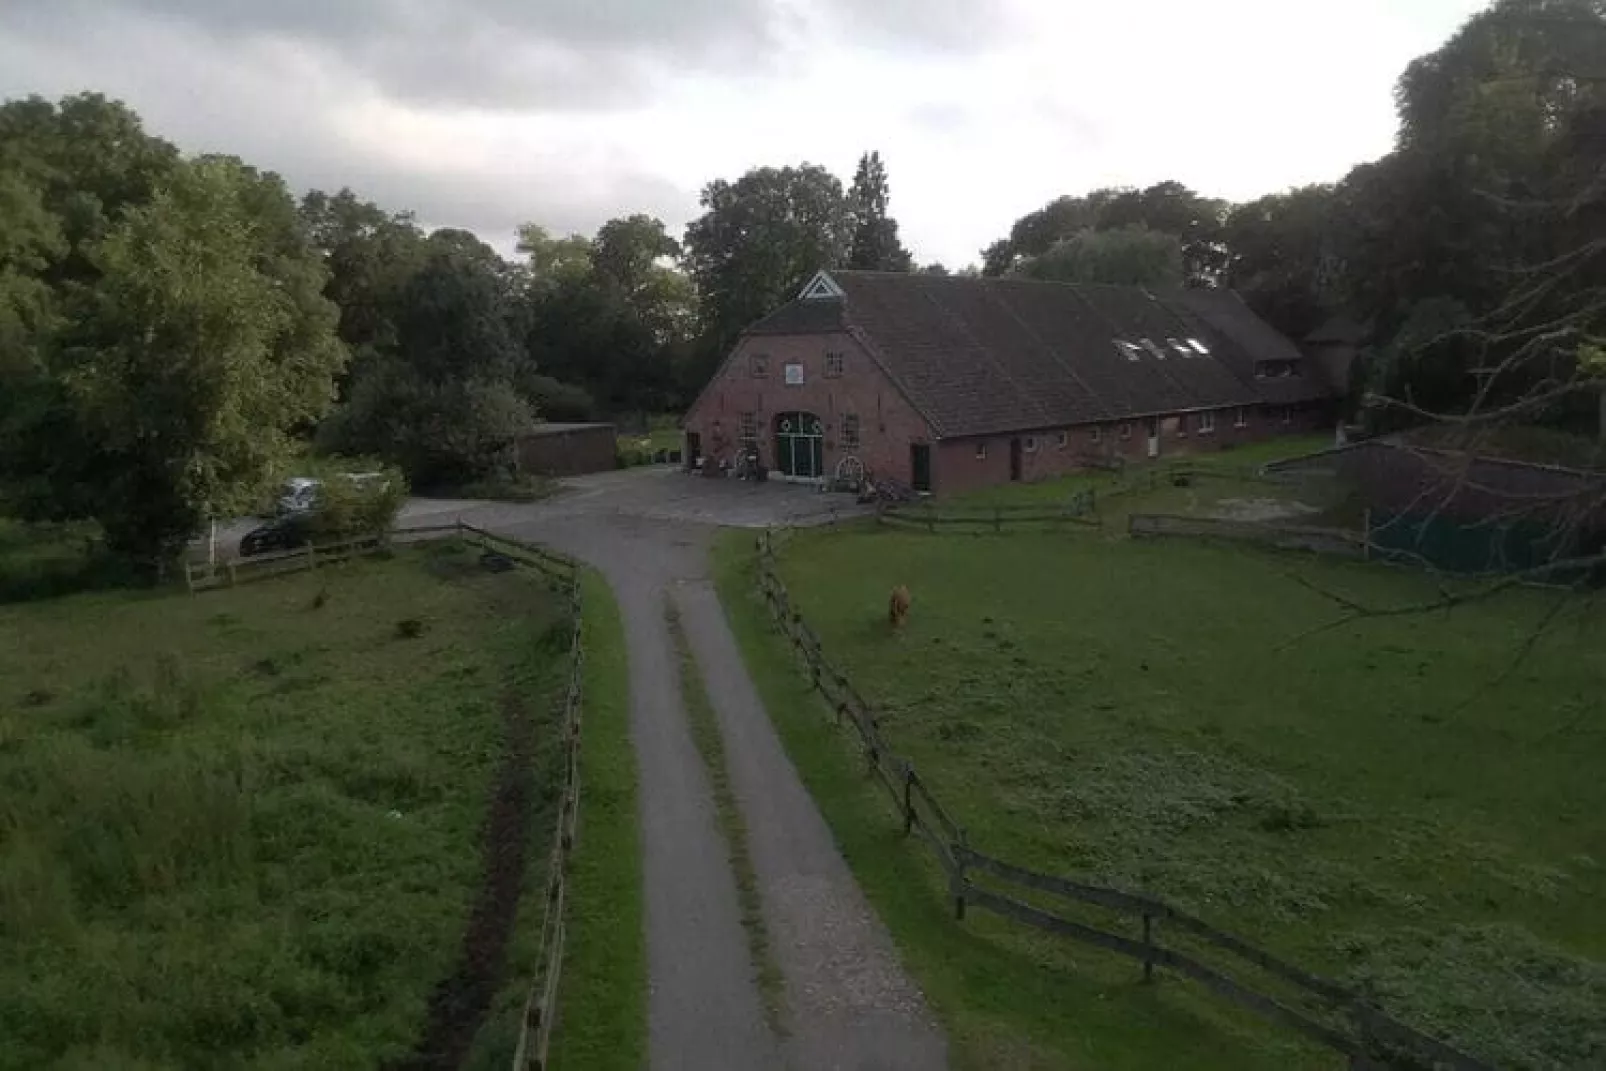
x: 551, y: 54
x: 238, y: 104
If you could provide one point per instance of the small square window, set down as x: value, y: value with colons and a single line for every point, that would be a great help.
x: 833, y: 365
x: 1031, y: 444
x: 850, y: 431
x: 760, y: 365
x: 1207, y: 423
x: 1241, y: 419
x: 1064, y: 439
x: 1097, y: 433
x: 981, y: 451
x: 749, y: 428
x: 794, y: 374
x: 1126, y: 430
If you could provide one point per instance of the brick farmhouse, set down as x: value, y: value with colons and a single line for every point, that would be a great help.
x: 952, y: 383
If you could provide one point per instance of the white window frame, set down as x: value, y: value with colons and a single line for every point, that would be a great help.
x: 1241, y: 417
x: 747, y: 428
x: 835, y: 365
x: 1064, y: 439
x: 1207, y: 423
x: 1199, y: 347
x: 1126, y: 429
x: 793, y: 371
x: 1288, y: 415
x: 852, y: 431
x: 1098, y: 433
x: 981, y: 451
x: 1031, y: 444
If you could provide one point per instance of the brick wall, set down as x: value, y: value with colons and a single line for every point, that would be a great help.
x: 960, y: 469
x: 888, y: 425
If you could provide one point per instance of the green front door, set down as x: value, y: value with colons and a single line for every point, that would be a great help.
x: 800, y: 445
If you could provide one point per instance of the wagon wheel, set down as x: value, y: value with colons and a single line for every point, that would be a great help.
x: 850, y: 471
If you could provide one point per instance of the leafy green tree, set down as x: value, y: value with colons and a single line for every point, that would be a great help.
x: 204, y: 343
x: 1283, y: 258
x: 1128, y: 256
x: 1166, y: 207
x: 875, y: 243
x: 371, y: 256
x: 758, y: 240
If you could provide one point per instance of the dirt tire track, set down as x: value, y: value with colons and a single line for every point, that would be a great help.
x: 460, y: 1002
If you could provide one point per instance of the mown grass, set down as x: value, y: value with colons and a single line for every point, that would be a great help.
x: 602, y: 1023
x: 241, y: 829
x: 1007, y: 998
x: 1389, y: 802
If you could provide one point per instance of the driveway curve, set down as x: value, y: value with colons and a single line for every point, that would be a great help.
x: 848, y: 1003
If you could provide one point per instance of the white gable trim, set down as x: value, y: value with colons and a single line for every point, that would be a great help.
x: 820, y: 287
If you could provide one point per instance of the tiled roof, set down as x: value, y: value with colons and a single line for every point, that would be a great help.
x: 982, y: 356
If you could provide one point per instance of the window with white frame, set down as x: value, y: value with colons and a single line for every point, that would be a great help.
x: 759, y: 364
x: 850, y: 431
x: 981, y: 451
x: 1096, y: 433
x: 833, y: 365
x: 1031, y: 444
x: 1206, y: 423
x: 794, y: 374
x: 1064, y: 439
x: 748, y: 427
x: 1126, y: 429
x: 1199, y: 347
x: 1288, y: 414
x: 1241, y: 418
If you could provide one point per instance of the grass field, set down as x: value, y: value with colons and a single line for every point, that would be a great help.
x: 1059, y: 490
x: 242, y: 829
x: 1384, y: 802
x: 603, y: 1020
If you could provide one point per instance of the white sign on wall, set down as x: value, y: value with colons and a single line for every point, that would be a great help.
x: 794, y: 375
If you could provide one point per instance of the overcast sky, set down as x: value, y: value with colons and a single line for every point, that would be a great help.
x: 487, y: 113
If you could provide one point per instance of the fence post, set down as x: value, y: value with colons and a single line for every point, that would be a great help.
x: 958, y: 885
x: 1148, y: 945
x: 908, y: 797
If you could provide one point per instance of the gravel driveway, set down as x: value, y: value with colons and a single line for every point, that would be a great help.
x: 849, y: 1004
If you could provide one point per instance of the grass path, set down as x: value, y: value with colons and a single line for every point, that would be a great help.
x: 603, y: 1026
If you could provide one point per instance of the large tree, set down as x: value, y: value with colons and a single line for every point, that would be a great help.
x: 1283, y: 257
x: 1166, y: 207
x: 203, y: 344
x: 760, y: 238
x: 371, y: 255
x: 1126, y: 256
x: 875, y: 244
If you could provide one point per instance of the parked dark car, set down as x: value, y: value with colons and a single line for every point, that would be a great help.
x: 285, y: 533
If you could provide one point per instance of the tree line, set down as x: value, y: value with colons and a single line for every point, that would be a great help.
x: 174, y: 330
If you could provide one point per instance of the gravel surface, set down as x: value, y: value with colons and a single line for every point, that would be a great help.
x: 848, y: 1003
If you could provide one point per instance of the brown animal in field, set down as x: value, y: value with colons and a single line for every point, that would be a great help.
x: 898, y: 607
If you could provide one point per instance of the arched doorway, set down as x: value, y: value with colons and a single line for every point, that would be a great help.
x: 799, y: 445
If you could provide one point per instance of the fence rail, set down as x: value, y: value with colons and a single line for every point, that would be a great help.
x: 1079, y: 509
x: 1334, y: 1015
x: 539, y: 1014
x: 1333, y: 541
